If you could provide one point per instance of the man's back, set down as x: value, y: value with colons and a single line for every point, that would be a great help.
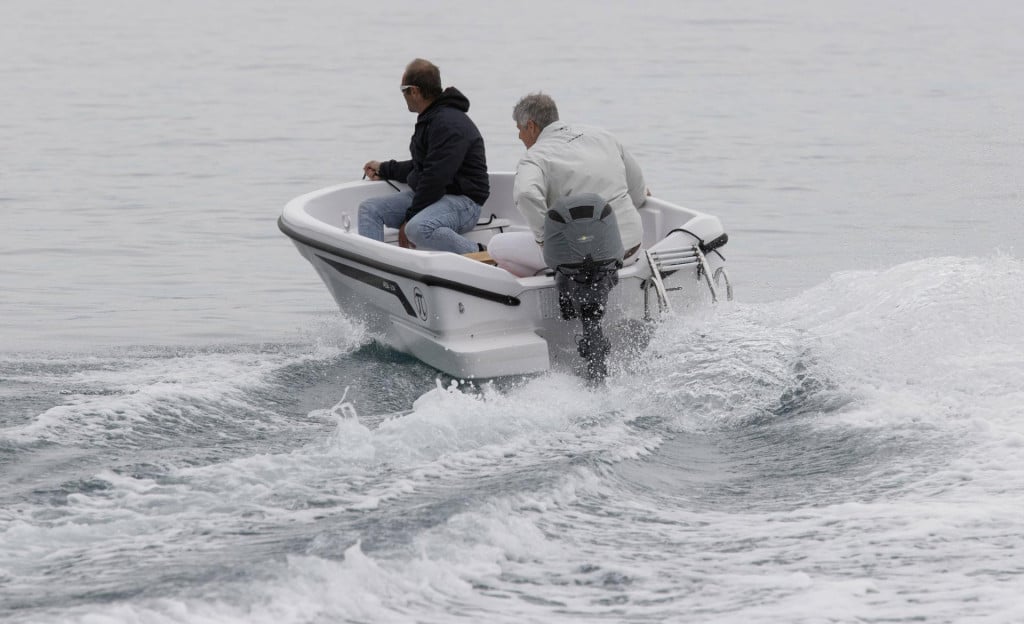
x: 569, y: 160
x: 447, y: 150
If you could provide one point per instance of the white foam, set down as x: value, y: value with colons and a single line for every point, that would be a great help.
x: 137, y: 396
x: 576, y: 539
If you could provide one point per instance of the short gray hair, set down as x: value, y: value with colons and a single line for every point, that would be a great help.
x: 536, y: 107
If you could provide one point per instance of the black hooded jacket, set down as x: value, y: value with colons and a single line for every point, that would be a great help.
x: 447, y: 155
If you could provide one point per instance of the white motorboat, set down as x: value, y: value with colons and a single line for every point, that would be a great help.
x: 472, y: 320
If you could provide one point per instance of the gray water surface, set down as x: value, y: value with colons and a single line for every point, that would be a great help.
x: 843, y: 443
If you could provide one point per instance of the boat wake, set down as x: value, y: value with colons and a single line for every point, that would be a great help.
x: 294, y: 483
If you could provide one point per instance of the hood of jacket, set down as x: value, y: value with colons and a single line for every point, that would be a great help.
x: 449, y: 97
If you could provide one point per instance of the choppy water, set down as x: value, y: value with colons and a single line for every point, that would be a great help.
x: 843, y: 443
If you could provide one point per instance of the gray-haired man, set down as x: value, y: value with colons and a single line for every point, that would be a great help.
x: 564, y: 160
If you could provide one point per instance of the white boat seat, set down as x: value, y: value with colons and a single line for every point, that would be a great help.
x: 485, y: 226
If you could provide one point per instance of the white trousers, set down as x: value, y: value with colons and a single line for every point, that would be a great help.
x: 517, y: 252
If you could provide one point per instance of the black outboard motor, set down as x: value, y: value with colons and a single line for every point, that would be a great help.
x: 583, y: 245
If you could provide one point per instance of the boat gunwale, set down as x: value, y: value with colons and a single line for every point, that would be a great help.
x: 424, y: 278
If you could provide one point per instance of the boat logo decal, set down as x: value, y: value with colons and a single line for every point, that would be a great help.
x: 421, y: 303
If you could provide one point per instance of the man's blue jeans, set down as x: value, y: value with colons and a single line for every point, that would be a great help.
x: 438, y: 226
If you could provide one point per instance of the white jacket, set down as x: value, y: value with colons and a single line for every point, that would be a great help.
x: 567, y: 160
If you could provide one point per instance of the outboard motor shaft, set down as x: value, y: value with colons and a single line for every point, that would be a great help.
x: 583, y: 245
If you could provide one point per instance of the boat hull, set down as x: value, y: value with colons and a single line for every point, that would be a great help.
x: 464, y: 317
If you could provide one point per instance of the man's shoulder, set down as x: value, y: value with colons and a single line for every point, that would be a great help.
x: 530, y: 160
x: 596, y: 132
x: 452, y: 118
x: 569, y: 133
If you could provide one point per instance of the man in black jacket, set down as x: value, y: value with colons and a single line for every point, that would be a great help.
x: 447, y: 174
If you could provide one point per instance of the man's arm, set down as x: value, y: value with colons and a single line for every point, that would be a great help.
x: 634, y: 178
x: 394, y: 170
x: 530, y: 197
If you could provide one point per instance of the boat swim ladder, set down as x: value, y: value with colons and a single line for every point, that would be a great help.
x: 674, y: 259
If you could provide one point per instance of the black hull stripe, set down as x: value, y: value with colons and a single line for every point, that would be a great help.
x: 424, y: 278
x: 372, y: 279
